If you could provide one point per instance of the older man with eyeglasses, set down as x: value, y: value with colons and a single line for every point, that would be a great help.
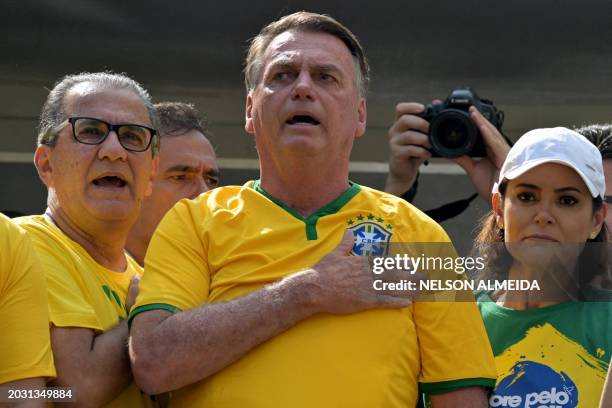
x: 96, y: 154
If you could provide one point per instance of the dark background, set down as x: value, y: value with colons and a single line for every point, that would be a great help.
x: 545, y: 63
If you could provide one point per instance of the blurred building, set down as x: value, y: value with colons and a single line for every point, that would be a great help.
x: 545, y: 63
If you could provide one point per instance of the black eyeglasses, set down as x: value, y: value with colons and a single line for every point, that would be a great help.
x: 608, y: 199
x: 92, y: 131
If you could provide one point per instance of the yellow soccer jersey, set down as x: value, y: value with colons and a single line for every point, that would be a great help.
x: 233, y: 240
x: 81, y: 292
x: 25, y: 347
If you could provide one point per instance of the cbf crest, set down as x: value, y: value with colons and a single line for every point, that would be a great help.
x: 372, y: 236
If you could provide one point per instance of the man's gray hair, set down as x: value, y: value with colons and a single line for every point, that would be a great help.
x: 306, y: 22
x: 52, y: 114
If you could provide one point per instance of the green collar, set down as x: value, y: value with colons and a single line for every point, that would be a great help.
x: 311, y: 221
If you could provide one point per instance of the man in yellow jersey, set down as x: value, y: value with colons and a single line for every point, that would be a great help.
x: 96, y: 154
x: 251, y: 297
x: 187, y: 168
x: 25, y: 349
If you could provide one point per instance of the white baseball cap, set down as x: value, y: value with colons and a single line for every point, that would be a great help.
x: 556, y: 145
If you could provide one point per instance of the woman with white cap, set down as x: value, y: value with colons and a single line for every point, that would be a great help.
x: 551, y: 346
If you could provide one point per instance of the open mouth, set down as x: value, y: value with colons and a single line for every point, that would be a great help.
x: 302, y: 120
x: 110, y: 181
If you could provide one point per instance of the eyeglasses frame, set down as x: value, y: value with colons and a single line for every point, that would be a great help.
x: 111, y: 127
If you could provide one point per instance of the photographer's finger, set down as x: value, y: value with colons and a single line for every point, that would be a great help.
x: 466, y: 162
x: 411, y: 137
x: 409, y: 108
x: 409, y: 122
x: 480, y: 121
x: 411, y: 152
x: 490, y: 133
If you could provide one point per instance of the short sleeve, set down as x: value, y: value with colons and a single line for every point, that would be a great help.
x: 25, y: 347
x: 176, y: 275
x: 454, y: 348
x: 66, y: 305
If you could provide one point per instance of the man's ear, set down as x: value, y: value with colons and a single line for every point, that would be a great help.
x: 248, y: 125
x: 362, y: 115
x: 42, y: 162
x: 154, y: 169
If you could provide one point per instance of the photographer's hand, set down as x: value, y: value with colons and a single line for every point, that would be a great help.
x: 483, y: 173
x: 408, y: 143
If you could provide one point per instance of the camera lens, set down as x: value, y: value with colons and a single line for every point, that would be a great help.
x: 452, y: 133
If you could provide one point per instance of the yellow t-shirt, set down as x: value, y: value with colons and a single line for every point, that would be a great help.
x: 81, y: 292
x: 233, y: 240
x: 25, y: 347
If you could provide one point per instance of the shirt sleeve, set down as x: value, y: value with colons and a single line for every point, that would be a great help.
x: 67, y: 307
x: 25, y: 347
x: 454, y: 348
x: 176, y: 273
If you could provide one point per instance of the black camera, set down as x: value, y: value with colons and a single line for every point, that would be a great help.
x: 451, y: 131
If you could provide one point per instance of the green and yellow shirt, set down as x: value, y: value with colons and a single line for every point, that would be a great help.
x: 233, y: 240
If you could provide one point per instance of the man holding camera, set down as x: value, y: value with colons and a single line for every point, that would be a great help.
x: 410, y: 147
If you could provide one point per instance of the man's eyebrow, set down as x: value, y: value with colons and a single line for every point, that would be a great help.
x: 327, y: 68
x: 183, y: 168
x: 282, y: 62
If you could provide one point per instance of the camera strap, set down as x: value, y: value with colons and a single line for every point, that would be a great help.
x: 451, y: 209
x: 444, y: 212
